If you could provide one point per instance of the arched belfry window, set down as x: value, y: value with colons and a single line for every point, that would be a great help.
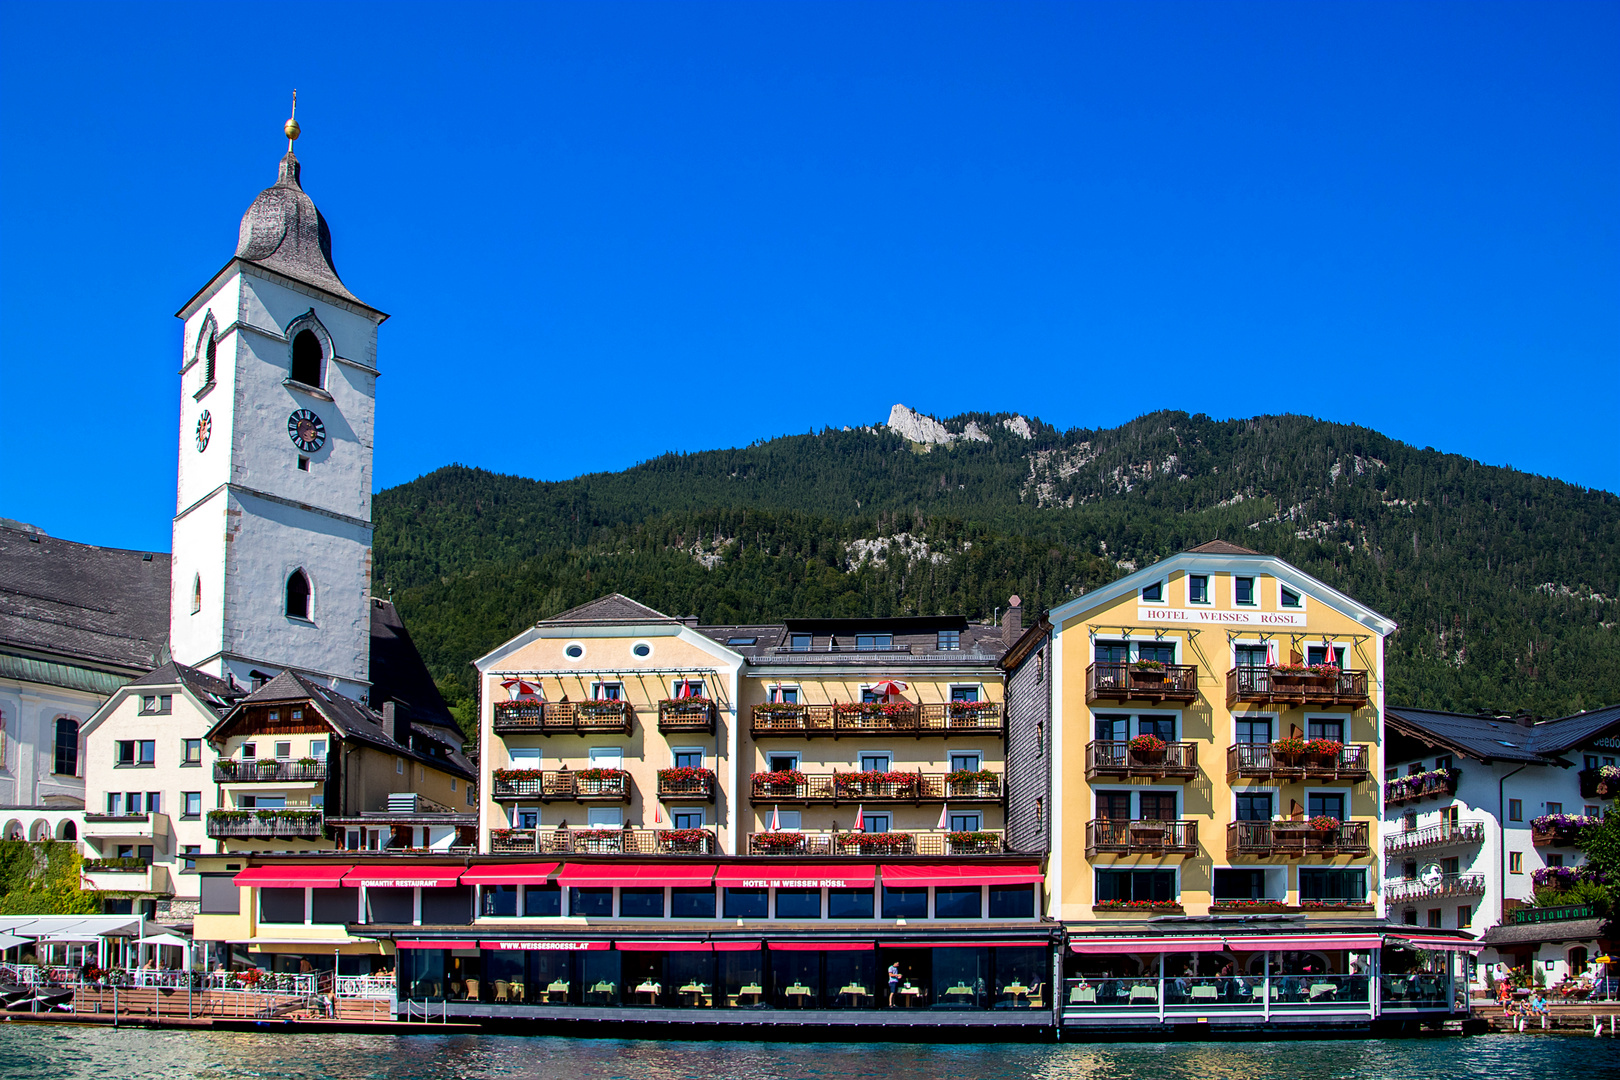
x: 196, y: 594
x: 210, y: 357
x: 207, y: 351
x: 298, y: 595
x: 307, y: 358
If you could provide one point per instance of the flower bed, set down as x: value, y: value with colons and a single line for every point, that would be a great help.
x: 779, y: 841
x: 518, y: 774
x: 1417, y: 785
x: 877, y: 782
x: 1147, y: 744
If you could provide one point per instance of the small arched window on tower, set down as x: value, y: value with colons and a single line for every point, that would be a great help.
x: 307, y: 358
x: 210, y: 356
x: 196, y: 594
x: 298, y: 595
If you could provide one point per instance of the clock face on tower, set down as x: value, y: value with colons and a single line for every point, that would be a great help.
x: 306, y: 431
x: 205, y: 428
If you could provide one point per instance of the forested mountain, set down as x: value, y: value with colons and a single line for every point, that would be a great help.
x: 1506, y: 585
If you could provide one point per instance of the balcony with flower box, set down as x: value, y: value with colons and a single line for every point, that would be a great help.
x: 142, y: 826
x: 1434, y: 836
x: 1296, y: 684
x: 1113, y: 836
x: 562, y: 718
x: 563, y: 840
x: 691, y: 716
x: 1141, y: 680
x: 684, y: 782
x: 876, y: 718
x: 270, y: 771
x: 1293, y: 758
x: 1145, y: 755
x: 124, y: 875
x: 560, y: 785
x: 1559, y: 830
x: 1317, y: 837
x: 793, y: 786
x: 1602, y: 782
x: 812, y: 843
x: 1437, y: 887
x: 266, y: 824
x: 1434, y: 784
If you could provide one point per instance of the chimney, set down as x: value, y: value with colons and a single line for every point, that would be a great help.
x: 394, y: 725
x: 1012, y: 623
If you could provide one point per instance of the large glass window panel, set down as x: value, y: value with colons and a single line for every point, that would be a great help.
x: 1158, y: 805
x: 1113, y: 728
x: 798, y: 903
x: 335, y: 905
x: 645, y: 981
x: 1254, y: 806
x: 1253, y: 730
x: 421, y: 974
x: 957, y: 902
x: 450, y: 907
x: 1249, y: 655
x: 641, y: 903
x: 281, y: 905
x: 1112, y: 652
x: 1164, y: 654
x: 796, y: 979
x: 747, y: 903
x: 1012, y: 901
x: 850, y: 903
x: 391, y: 905
x: 914, y: 986
x: 542, y: 901
x: 552, y: 980
x: 961, y: 978
x: 1317, y: 883
x: 1242, y: 884
x: 1325, y: 729
x: 1328, y: 803
x: 1162, y: 726
x: 740, y: 977
x: 463, y: 975
x: 1020, y: 977
x: 851, y: 979
x: 691, y: 980
x: 500, y: 900
x: 503, y: 970
x: 592, y: 902
x: 599, y: 976
x: 903, y: 903
x: 691, y: 903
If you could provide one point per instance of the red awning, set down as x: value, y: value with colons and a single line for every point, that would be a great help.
x: 664, y: 946
x: 544, y: 946
x: 293, y: 877
x: 1148, y: 945
x: 630, y: 874
x: 1313, y: 943
x: 1439, y: 944
x: 820, y: 946
x: 527, y: 873
x: 968, y: 944
x: 435, y: 944
x: 796, y: 876
x: 737, y: 946
x: 957, y: 874
x: 403, y: 877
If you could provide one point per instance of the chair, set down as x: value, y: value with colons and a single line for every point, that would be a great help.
x: 1037, y: 996
x: 501, y: 987
x: 472, y: 989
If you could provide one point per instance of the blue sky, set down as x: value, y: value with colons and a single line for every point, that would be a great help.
x: 608, y: 230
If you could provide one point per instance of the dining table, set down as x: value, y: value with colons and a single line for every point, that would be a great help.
x: 855, y: 992
x: 557, y: 990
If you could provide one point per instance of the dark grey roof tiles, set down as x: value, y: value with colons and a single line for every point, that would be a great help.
x: 1530, y: 933
x: 399, y: 675
x: 217, y: 693
x: 282, y: 231
x: 1567, y: 732
x: 1219, y: 547
x: 609, y: 610
x: 83, y: 603
x: 1478, y: 736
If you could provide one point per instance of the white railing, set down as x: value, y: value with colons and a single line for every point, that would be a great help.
x: 366, y: 986
x: 36, y: 975
x: 153, y: 977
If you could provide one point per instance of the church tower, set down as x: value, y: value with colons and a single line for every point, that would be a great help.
x: 272, y: 529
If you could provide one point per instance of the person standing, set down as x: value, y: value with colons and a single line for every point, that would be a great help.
x: 894, y: 981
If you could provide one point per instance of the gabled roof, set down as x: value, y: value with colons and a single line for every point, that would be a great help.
x: 399, y: 675
x: 211, y: 689
x: 1484, y: 738
x: 1568, y: 732
x: 610, y: 610
x: 1220, y: 547
x: 82, y: 603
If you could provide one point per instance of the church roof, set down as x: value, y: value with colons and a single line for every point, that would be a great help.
x: 399, y: 675
x: 83, y: 603
x: 1220, y: 547
x: 282, y: 231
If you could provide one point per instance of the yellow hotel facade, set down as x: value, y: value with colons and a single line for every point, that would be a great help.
x: 1218, y: 723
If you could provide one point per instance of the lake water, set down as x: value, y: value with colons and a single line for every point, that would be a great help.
x: 46, y: 1052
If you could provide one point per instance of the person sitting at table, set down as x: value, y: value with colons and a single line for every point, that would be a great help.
x: 894, y: 982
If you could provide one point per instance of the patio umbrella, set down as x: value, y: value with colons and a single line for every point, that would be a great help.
x: 860, y: 819
x: 776, y: 819
x: 517, y: 689
x: 944, y: 816
x: 889, y: 688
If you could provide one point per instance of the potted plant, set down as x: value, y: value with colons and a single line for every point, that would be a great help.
x: 684, y: 841
x: 778, y: 843
x: 1148, y: 749
x: 973, y: 842
x: 781, y: 782
x: 877, y: 783
x: 1324, y: 825
x: 967, y: 783
x: 1288, y: 749
x: 1147, y: 673
x: 1324, y: 752
x: 894, y: 842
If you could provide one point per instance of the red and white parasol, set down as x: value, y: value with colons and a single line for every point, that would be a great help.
x: 860, y: 820
x: 521, y: 689
x: 776, y: 819
x: 889, y: 688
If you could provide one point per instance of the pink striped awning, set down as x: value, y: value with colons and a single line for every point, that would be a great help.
x: 821, y: 946
x: 664, y: 946
x: 545, y: 946
x: 435, y: 944
x: 1298, y: 943
x: 1148, y: 945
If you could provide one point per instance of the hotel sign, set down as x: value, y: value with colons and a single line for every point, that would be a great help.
x: 1208, y: 616
x: 818, y: 882
x: 546, y: 946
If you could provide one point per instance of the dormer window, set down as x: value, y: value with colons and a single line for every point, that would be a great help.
x: 799, y: 642
x: 950, y: 641
x: 1154, y: 593
x: 307, y: 358
x: 1287, y: 597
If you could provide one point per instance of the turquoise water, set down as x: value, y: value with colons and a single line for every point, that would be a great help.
x: 38, y: 1051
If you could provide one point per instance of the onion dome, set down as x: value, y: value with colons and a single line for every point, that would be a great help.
x: 282, y: 231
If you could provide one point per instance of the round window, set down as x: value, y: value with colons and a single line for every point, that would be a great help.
x: 574, y: 651
x: 641, y: 648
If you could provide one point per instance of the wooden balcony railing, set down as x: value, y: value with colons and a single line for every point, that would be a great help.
x: 837, y: 787
x: 561, y: 785
x: 1399, y: 892
x: 1295, y: 838
x: 266, y: 824
x: 1109, y: 681
x: 1261, y: 762
x: 1112, y: 836
x: 1109, y: 758
x: 1466, y: 832
x: 564, y: 841
x: 856, y: 718
x: 677, y: 715
x: 677, y: 785
x: 1280, y: 686
x: 801, y: 844
x: 563, y: 718
x: 269, y: 771
x: 1437, y: 784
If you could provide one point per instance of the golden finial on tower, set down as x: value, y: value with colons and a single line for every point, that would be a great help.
x: 291, y: 126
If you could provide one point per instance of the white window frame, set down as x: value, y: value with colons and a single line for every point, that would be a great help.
x: 963, y: 813
x: 886, y: 815
x: 868, y: 751
x: 796, y: 755
x: 1275, y: 791
x: 1209, y: 589
x: 1155, y: 714
x: 1134, y: 647
x: 634, y: 645
x: 676, y: 684
x: 597, y: 756
x: 1274, y: 717
x: 675, y: 751
x: 597, y: 684
x: 567, y: 645
x: 1343, y: 719
x: 603, y: 811
x: 1252, y: 642
x: 1349, y: 805
x: 1164, y: 591
x: 976, y: 687
x: 1275, y: 872
x: 703, y: 817
x: 952, y: 752
x: 771, y: 692
x: 1281, y: 585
